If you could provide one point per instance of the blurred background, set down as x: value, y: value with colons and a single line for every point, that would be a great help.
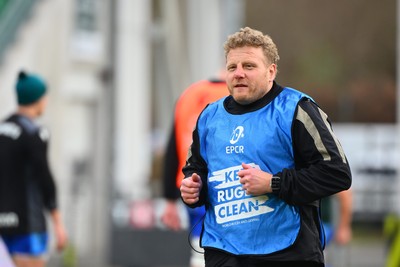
x: 116, y: 67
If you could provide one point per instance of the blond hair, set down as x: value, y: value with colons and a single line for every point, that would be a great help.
x: 250, y: 37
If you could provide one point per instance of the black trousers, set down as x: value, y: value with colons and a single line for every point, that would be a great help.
x: 216, y: 258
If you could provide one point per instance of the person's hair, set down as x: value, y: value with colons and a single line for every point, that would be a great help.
x: 250, y: 37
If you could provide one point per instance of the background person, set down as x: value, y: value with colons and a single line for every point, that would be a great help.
x: 337, y: 226
x: 261, y: 160
x: 188, y: 107
x: 27, y: 187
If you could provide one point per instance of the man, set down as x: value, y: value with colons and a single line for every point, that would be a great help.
x: 260, y: 161
x: 27, y: 187
x: 188, y: 107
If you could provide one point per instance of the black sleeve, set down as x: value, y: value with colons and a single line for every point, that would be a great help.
x: 38, y: 153
x: 196, y: 164
x: 321, y: 167
x: 170, y: 169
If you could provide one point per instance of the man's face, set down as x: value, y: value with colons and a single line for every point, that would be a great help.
x: 249, y: 77
x: 41, y: 105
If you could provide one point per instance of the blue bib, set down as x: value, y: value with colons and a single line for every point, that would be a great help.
x: 236, y: 222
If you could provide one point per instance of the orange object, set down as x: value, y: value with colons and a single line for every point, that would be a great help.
x: 189, y: 106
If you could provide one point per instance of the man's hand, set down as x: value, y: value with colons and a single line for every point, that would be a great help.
x: 59, y: 230
x: 190, y: 189
x: 255, y: 182
x: 343, y: 234
x: 170, y: 217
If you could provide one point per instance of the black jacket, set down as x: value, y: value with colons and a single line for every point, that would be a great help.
x: 27, y: 187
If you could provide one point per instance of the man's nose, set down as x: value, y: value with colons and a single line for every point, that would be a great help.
x: 239, y: 73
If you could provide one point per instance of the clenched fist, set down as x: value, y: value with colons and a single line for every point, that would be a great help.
x: 190, y: 189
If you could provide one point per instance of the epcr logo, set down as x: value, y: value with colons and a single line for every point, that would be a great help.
x: 237, y: 133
